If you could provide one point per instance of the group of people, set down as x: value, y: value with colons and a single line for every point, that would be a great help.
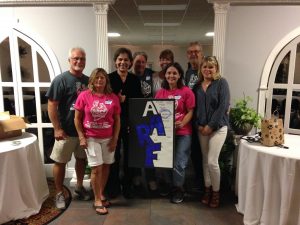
x: 90, y: 119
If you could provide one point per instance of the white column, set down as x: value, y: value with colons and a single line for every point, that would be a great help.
x: 221, y: 10
x: 101, y: 31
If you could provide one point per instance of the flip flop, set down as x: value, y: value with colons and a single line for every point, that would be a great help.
x: 106, y: 203
x: 100, y: 207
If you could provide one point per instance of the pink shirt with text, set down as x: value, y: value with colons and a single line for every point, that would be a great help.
x: 98, y: 113
x: 184, y: 100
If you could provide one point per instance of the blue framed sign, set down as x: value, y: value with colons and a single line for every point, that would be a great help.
x: 151, y: 136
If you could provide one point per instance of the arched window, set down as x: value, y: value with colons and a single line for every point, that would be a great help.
x: 27, y: 67
x: 280, y: 85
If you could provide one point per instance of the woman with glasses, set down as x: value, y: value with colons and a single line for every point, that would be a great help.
x: 212, y: 103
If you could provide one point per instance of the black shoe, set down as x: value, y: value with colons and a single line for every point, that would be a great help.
x: 177, y: 196
x: 82, y: 193
x: 152, y: 186
x: 139, y: 190
x: 164, y: 189
x: 112, y: 191
x: 128, y: 192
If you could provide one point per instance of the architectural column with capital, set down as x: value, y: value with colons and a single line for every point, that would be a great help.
x: 221, y: 10
x: 101, y: 31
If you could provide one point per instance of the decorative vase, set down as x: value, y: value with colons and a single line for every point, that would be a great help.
x: 242, y: 130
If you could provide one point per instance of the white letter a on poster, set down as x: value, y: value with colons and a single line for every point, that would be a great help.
x: 149, y: 107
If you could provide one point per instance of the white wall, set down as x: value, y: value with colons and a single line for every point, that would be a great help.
x: 252, y: 33
x: 64, y: 27
x: 60, y: 27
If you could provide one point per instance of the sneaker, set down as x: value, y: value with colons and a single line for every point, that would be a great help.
x: 60, y: 202
x: 82, y: 194
x: 177, y: 196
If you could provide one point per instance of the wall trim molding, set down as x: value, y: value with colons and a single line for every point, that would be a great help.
x: 256, y: 2
x: 53, y: 2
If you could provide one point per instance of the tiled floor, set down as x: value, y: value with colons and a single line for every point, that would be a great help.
x: 154, y: 211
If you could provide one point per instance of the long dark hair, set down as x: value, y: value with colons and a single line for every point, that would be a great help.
x: 177, y: 66
x: 120, y: 51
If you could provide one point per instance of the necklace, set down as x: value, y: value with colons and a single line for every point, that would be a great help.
x: 206, y: 84
x: 123, y: 77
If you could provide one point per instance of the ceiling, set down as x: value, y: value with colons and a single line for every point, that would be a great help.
x: 191, y: 23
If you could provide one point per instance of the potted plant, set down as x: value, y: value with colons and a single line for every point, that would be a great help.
x: 243, y: 118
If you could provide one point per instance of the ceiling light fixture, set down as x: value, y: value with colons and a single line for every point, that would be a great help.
x: 210, y: 34
x: 113, y: 35
x: 161, y: 24
x: 161, y: 7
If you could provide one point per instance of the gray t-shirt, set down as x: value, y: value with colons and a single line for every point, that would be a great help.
x: 65, y: 88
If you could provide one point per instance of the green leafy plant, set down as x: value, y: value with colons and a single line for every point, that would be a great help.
x: 241, y: 116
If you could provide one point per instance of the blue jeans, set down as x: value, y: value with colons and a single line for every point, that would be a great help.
x: 182, y: 153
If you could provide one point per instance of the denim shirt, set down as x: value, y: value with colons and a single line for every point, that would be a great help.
x: 212, y: 106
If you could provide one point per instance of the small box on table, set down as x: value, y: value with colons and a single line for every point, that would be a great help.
x: 11, y: 127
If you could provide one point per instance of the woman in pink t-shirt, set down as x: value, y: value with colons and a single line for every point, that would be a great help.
x: 97, y: 120
x: 173, y: 88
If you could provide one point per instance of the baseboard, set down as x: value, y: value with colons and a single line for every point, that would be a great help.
x: 86, y: 183
x: 70, y: 173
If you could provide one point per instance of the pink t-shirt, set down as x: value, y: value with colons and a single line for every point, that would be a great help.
x: 184, y: 100
x: 98, y: 113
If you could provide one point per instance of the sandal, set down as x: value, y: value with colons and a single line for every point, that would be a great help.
x: 106, y: 203
x: 215, y: 200
x: 101, y: 207
x: 206, y: 197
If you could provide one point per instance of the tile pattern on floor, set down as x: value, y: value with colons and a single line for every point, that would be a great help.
x: 153, y: 211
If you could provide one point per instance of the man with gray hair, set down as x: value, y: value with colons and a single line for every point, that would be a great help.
x: 195, y: 56
x: 62, y: 95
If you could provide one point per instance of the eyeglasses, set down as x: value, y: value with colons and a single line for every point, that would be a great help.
x: 193, y: 52
x: 78, y: 58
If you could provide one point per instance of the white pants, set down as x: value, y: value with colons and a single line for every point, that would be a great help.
x: 211, y: 147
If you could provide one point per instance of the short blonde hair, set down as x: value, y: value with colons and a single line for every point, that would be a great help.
x: 210, y: 60
x: 95, y: 72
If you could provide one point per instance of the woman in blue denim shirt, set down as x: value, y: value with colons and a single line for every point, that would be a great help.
x: 212, y: 102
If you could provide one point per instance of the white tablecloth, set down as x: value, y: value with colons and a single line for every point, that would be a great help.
x: 23, y: 184
x: 269, y: 183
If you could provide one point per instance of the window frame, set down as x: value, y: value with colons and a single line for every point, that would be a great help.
x: 287, y: 44
x: 38, y: 46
